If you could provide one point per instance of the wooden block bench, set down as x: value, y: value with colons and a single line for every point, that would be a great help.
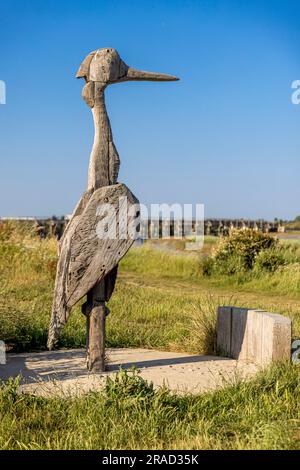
x: 253, y: 335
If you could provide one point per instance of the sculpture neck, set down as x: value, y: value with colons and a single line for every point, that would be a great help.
x: 99, y: 160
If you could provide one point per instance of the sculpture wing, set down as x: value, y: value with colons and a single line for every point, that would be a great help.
x: 91, y: 249
x: 60, y: 309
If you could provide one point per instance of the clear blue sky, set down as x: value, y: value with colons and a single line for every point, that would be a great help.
x: 227, y: 135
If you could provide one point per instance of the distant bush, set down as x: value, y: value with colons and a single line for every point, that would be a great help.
x: 208, y: 266
x: 294, y: 225
x: 12, y: 230
x: 238, y: 252
x: 270, y: 260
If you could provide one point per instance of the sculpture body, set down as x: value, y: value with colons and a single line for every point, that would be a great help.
x: 88, y: 262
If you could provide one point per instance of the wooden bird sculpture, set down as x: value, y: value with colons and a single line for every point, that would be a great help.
x: 88, y: 259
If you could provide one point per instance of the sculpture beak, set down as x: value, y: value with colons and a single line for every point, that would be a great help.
x: 140, y: 75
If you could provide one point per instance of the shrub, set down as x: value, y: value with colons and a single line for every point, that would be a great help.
x: 12, y: 230
x: 238, y: 252
x: 208, y: 266
x: 270, y: 260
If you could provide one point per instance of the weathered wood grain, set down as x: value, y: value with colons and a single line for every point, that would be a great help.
x: 85, y: 258
x: 92, y: 257
x: 83, y: 71
x: 253, y: 335
x: 95, y: 325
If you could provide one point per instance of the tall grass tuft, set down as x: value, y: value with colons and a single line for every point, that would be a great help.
x: 203, y: 327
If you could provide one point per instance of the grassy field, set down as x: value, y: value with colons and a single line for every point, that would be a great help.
x: 129, y: 414
x: 162, y: 300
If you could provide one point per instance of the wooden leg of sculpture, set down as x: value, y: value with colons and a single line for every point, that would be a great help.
x: 95, y: 311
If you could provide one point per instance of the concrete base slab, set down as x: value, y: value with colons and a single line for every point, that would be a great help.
x: 64, y: 373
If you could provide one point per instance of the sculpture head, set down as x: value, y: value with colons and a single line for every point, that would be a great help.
x: 106, y: 66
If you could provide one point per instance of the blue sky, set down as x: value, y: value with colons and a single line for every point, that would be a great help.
x: 227, y: 135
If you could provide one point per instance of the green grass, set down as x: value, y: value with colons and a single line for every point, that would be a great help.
x: 159, y: 298
x: 162, y: 300
x: 263, y: 413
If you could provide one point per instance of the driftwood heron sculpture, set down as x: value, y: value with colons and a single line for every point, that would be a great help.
x: 88, y: 262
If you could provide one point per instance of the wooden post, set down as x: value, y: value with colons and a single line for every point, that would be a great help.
x: 95, y: 311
